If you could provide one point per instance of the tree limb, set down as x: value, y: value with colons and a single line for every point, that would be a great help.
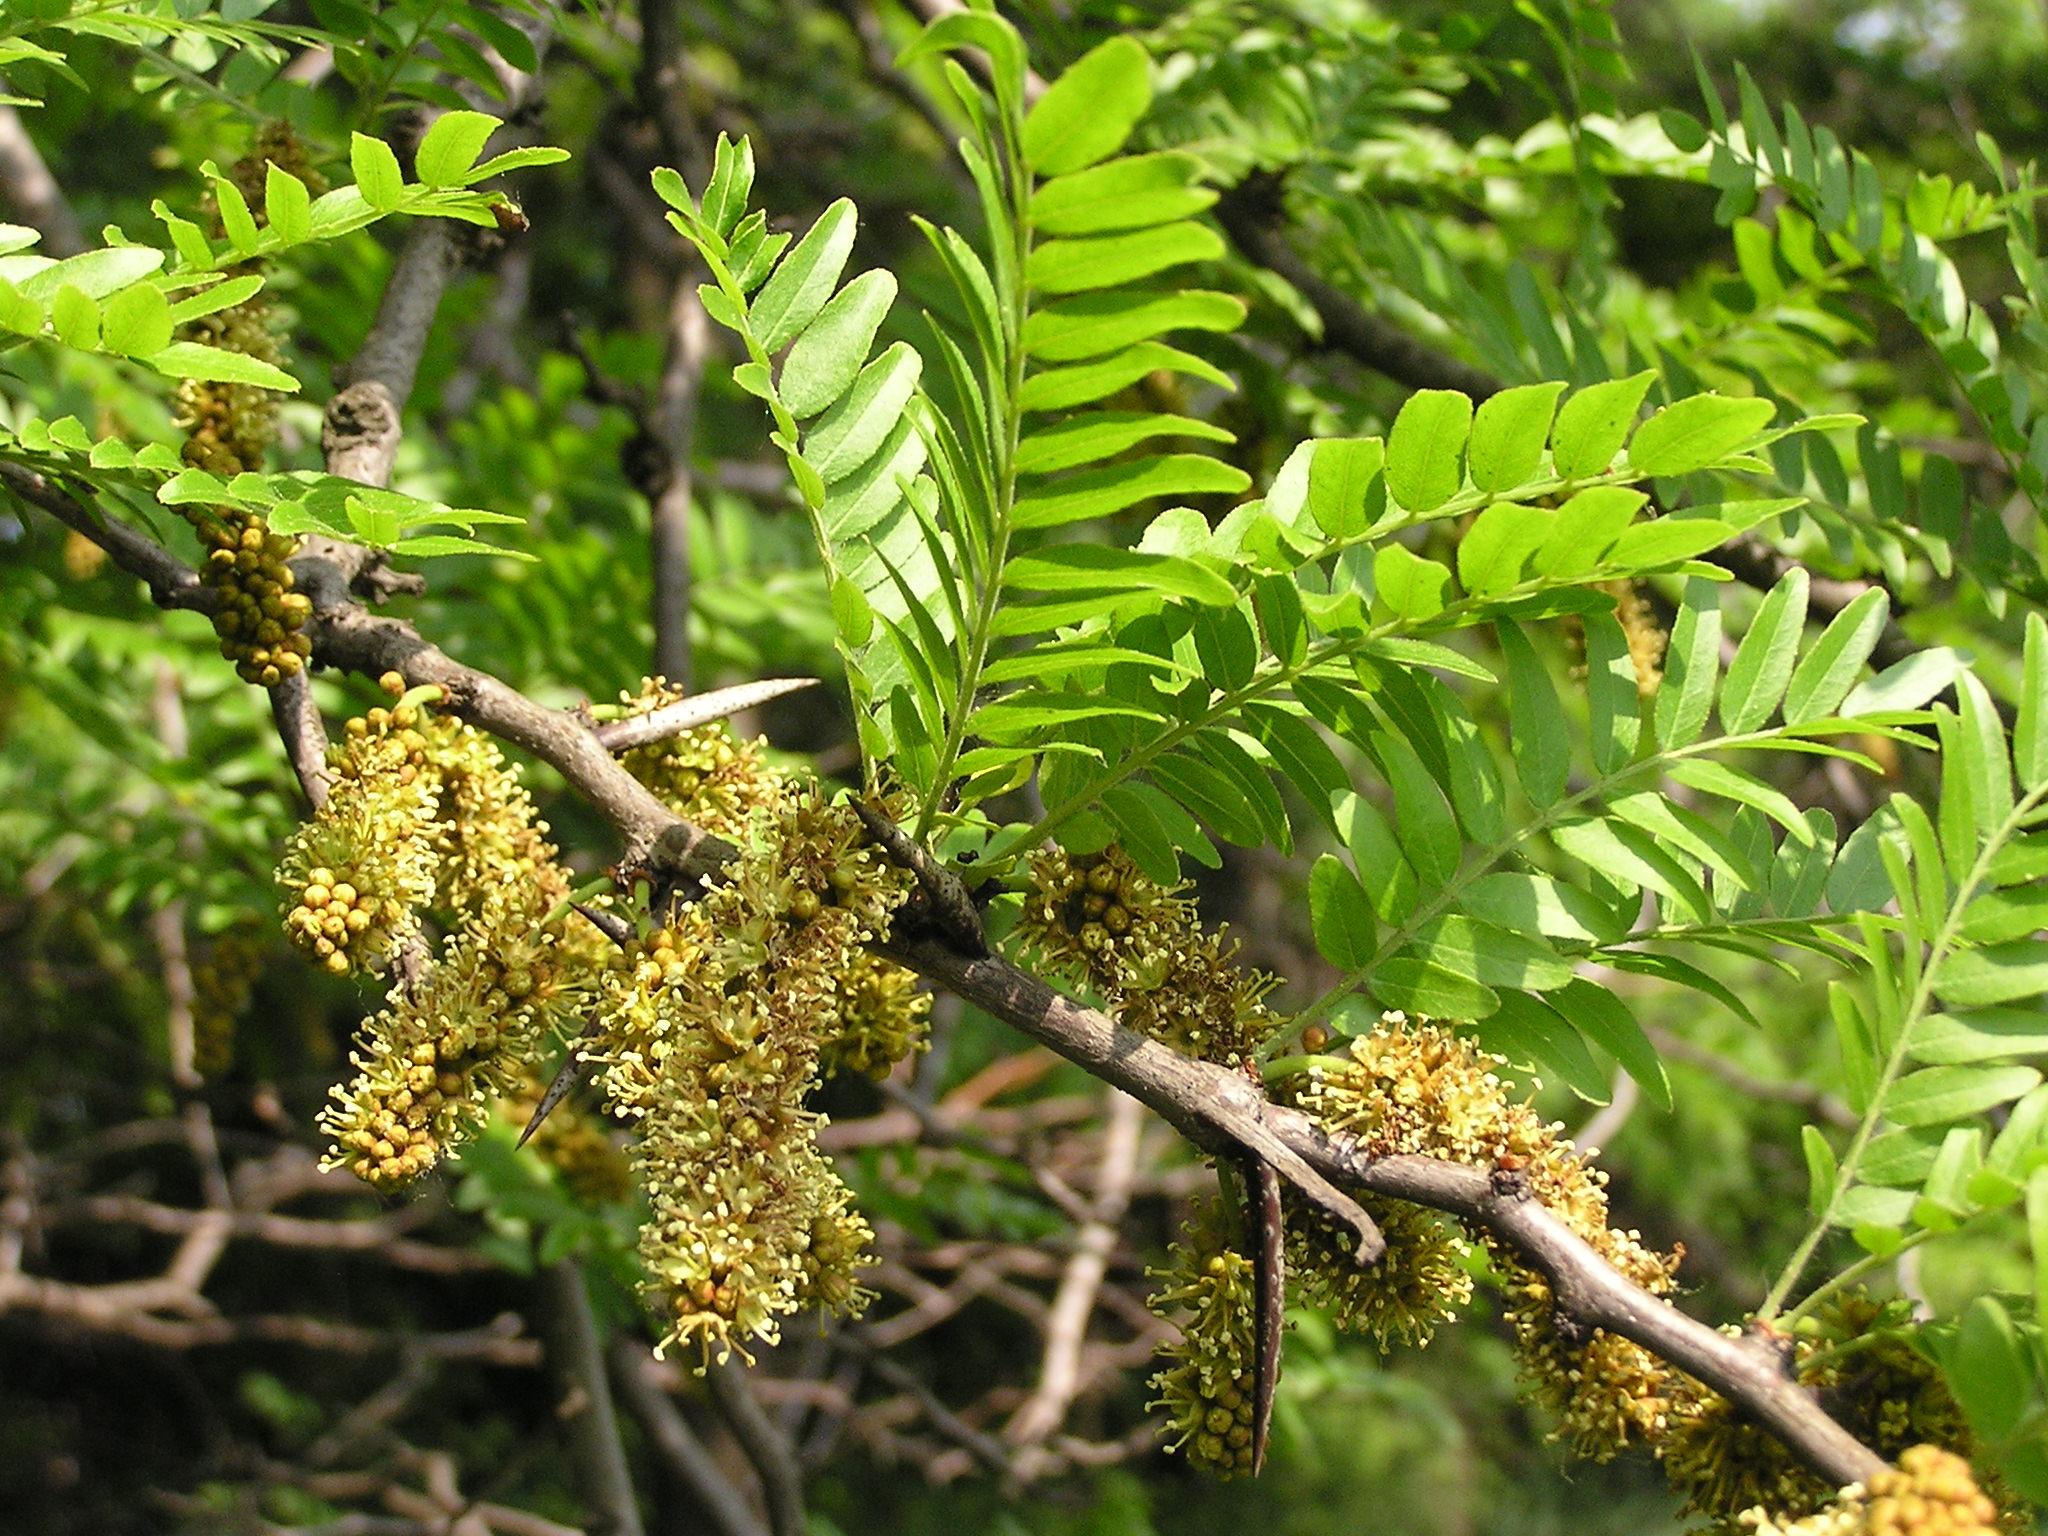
x: 782, y: 1484
x: 575, y: 1359
x: 1217, y: 1109
x: 669, y: 1433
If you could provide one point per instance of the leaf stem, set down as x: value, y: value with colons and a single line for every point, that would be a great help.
x: 1923, y: 993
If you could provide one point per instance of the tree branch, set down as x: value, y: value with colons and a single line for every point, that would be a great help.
x: 676, y: 1443
x: 172, y: 583
x: 32, y: 193
x: 1211, y: 1105
x: 575, y: 1359
x: 782, y: 1484
x: 1252, y: 215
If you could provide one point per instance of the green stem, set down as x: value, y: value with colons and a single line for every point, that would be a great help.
x: 1895, y: 1058
x: 980, y: 635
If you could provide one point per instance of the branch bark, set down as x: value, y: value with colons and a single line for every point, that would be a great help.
x: 782, y: 1483
x: 1212, y: 1104
x: 31, y: 193
x: 676, y: 1443
x: 575, y: 1359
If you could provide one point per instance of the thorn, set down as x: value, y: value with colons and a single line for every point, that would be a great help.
x: 610, y: 924
x: 698, y: 709
x: 1268, y: 1244
x: 566, y: 1077
x: 951, y: 905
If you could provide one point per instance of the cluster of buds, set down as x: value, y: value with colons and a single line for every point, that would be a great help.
x: 1421, y: 1282
x: 260, y: 618
x: 228, y: 429
x: 1930, y: 1492
x: 1646, y: 635
x: 1141, y: 947
x: 1206, y: 1388
x: 223, y: 981
x: 357, y: 873
x: 714, y: 1030
x: 883, y: 1019
x: 486, y: 838
x: 703, y: 773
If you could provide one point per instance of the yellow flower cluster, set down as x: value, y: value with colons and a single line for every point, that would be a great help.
x: 1855, y: 1351
x: 710, y: 778
x: 1647, y: 639
x: 429, y: 1064
x: 1141, y: 946
x: 702, y: 773
x: 222, y: 983
x: 424, y: 813
x: 714, y: 1029
x: 883, y: 1018
x: 1420, y: 1283
x: 1930, y: 1492
x: 356, y: 874
x: 228, y: 428
x: 1417, y: 1088
x: 1206, y: 1388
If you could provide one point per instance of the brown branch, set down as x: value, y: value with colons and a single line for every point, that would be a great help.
x: 675, y: 431
x: 1214, y: 1106
x: 380, y: 1237
x: 1822, y: 1106
x: 1252, y: 215
x: 769, y: 1450
x: 31, y: 193
x: 172, y: 583
x: 1073, y: 1304
x: 575, y: 1360
x: 675, y: 1443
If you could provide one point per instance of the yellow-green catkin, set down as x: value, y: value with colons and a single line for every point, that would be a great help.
x: 1205, y: 1382
x: 223, y: 981
x: 1411, y: 1086
x: 1420, y: 1283
x: 228, y: 429
x: 1929, y: 1492
x: 883, y: 1019
x: 357, y: 873
x: 714, y: 1029
x: 1140, y: 945
x: 445, y: 1045
x: 703, y: 773
x: 425, y: 813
